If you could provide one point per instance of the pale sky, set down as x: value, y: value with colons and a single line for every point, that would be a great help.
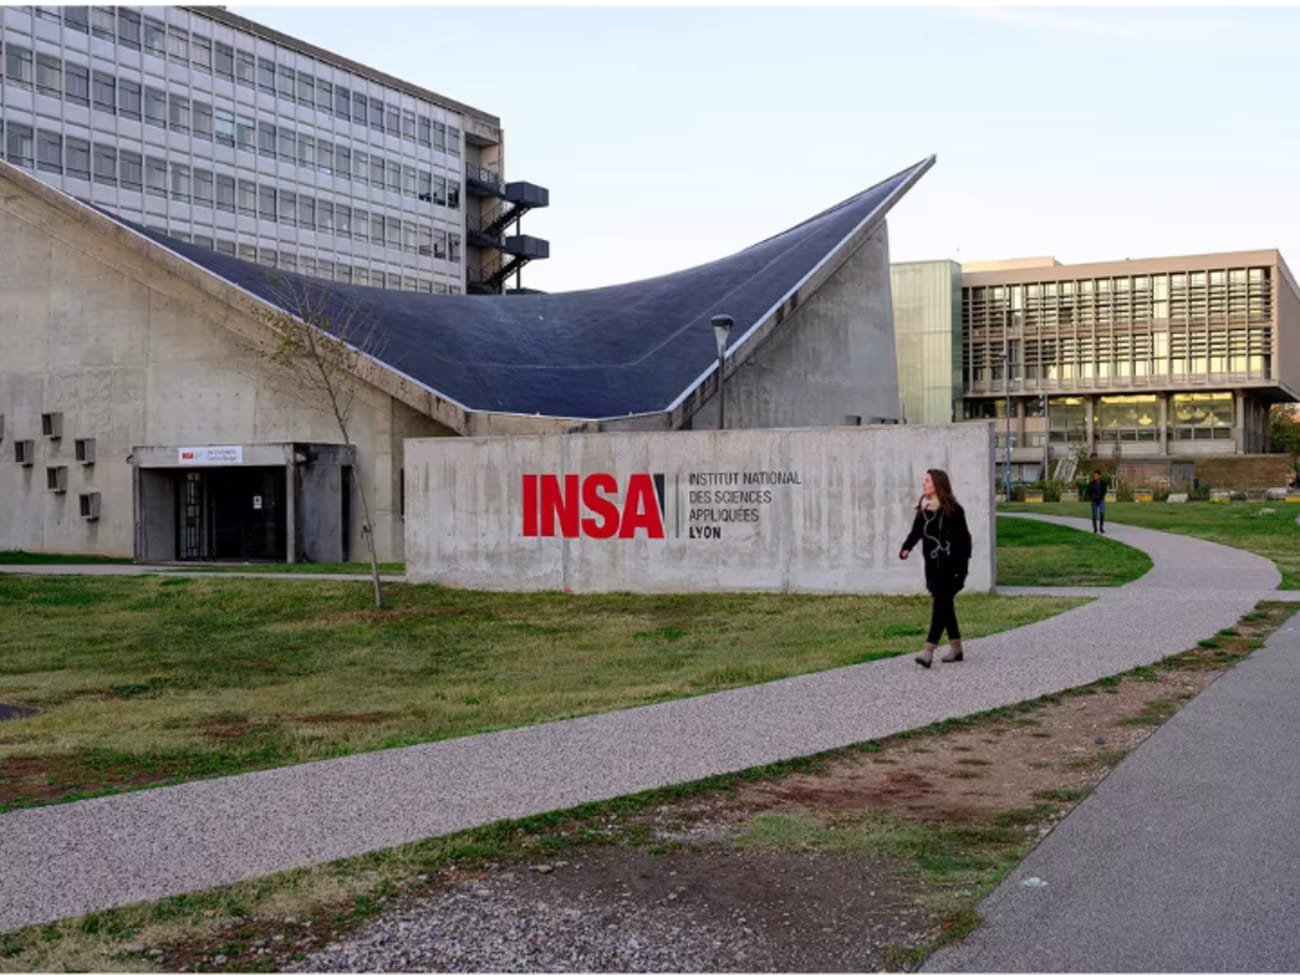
x: 671, y: 136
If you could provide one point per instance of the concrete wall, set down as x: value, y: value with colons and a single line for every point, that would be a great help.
x: 833, y: 358
x: 836, y: 526
x: 131, y: 355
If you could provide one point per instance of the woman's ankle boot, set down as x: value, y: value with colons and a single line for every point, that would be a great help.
x: 954, y: 652
x: 925, y: 657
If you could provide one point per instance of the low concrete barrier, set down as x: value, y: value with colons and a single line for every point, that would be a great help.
x: 797, y: 510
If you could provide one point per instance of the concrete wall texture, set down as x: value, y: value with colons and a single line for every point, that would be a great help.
x: 133, y: 355
x: 833, y: 358
x: 789, y: 510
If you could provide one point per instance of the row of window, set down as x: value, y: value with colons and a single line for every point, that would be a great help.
x: 287, y: 260
x: 121, y: 96
x: 131, y: 30
x: 108, y: 165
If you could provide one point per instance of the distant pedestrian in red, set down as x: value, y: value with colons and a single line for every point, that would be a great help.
x: 940, y: 527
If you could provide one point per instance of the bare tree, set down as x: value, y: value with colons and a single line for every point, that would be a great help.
x: 321, y: 337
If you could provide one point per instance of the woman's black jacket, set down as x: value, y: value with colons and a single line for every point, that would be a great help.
x: 945, y: 544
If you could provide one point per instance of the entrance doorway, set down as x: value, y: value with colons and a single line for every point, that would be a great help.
x: 231, y: 513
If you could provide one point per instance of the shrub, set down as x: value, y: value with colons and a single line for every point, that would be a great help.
x: 1199, y: 493
x: 1124, y: 492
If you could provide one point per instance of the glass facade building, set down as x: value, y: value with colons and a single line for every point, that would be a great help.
x: 213, y: 129
x: 1134, y: 358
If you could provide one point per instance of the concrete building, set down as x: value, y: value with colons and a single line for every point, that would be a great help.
x: 1163, y: 358
x: 211, y: 128
x: 140, y: 414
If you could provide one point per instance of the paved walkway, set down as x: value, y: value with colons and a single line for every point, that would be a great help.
x: 1182, y: 860
x: 65, y: 860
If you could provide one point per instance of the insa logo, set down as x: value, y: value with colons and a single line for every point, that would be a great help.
x: 574, y: 505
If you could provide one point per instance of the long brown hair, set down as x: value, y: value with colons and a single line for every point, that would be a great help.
x: 942, y: 491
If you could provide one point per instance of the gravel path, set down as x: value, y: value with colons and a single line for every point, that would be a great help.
x: 70, y: 859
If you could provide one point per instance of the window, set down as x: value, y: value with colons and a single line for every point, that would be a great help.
x: 203, y: 191
x: 105, y: 88
x: 266, y: 139
x: 18, y: 64
x: 286, y: 85
x: 266, y: 203
x: 424, y: 241
x: 19, y: 145
x: 289, y: 208
x: 155, y: 36
x: 289, y: 261
x: 155, y: 176
x: 408, y: 236
x: 267, y: 257
x: 128, y: 28
x: 360, y: 167
x: 308, y: 266
x: 77, y: 18
x: 247, y: 195
x: 377, y: 114
x: 408, y: 125
x: 377, y: 279
x: 130, y: 169
x: 202, y: 120
x: 453, y: 248
x: 325, y: 216
x: 324, y: 95
x: 440, y: 190
x: 202, y: 240
x: 394, y: 172
x: 49, y: 75
x: 201, y: 52
x: 49, y: 151
x: 343, y: 272
x: 245, y: 134
x: 52, y: 14
x: 103, y: 22
x: 179, y: 113
x: 426, y: 131
x: 342, y: 102
x: 392, y: 120
x: 181, y: 182
x: 440, y: 136
x: 408, y: 180
x: 105, y: 160
x: 224, y: 126
x: 358, y: 108
x: 77, y: 157
x: 377, y: 228
x: 76, y: 83
x: 225, y: 192
x: 245, y: 68
x: 128, y: 99
x: 306, y: 151
x: 306, y: 211
x: 306, y: 89
x: 325, y: 156
x: 288, y: 144
x: 377, y: 171
x: 343, y: 161
x: 453, y: 195
x: 393, y: 236
x: 224, y: 60
x: 361, y: 276
x: 247, y: 252
x: 155, y: 107
x: 266, y: 75
x: 178, y: 45
x: 453, y: 140
x: 424, y: 186
x: 343, y: 220
x: 440, y: 244
x: 226, y: 247
x: 361, y: 224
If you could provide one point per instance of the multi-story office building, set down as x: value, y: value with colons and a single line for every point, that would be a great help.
x: 214, y: 129
x: 1166, y: 357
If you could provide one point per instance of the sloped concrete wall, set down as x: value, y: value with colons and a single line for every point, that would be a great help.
x: 796, y: 510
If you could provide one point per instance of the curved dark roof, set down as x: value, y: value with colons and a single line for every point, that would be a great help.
x: 597, y: 354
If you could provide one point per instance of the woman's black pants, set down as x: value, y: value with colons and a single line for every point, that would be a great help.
x: 943, y: 616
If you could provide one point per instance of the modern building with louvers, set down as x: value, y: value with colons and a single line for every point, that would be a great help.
x: 213, y: 129
x: 1161, y: 357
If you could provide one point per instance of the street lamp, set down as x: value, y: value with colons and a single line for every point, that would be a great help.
x: 1006, y: 382
x: 721, y: 329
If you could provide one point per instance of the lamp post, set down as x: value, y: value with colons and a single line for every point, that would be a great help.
x: 1006, y: 382
x: 721, y: 329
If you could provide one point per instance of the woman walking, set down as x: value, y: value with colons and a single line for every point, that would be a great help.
x: 940, y: 527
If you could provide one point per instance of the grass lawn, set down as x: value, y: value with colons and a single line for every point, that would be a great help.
x: 1240, y: 524
x: 1034, y: 553
x: 162, y: 678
